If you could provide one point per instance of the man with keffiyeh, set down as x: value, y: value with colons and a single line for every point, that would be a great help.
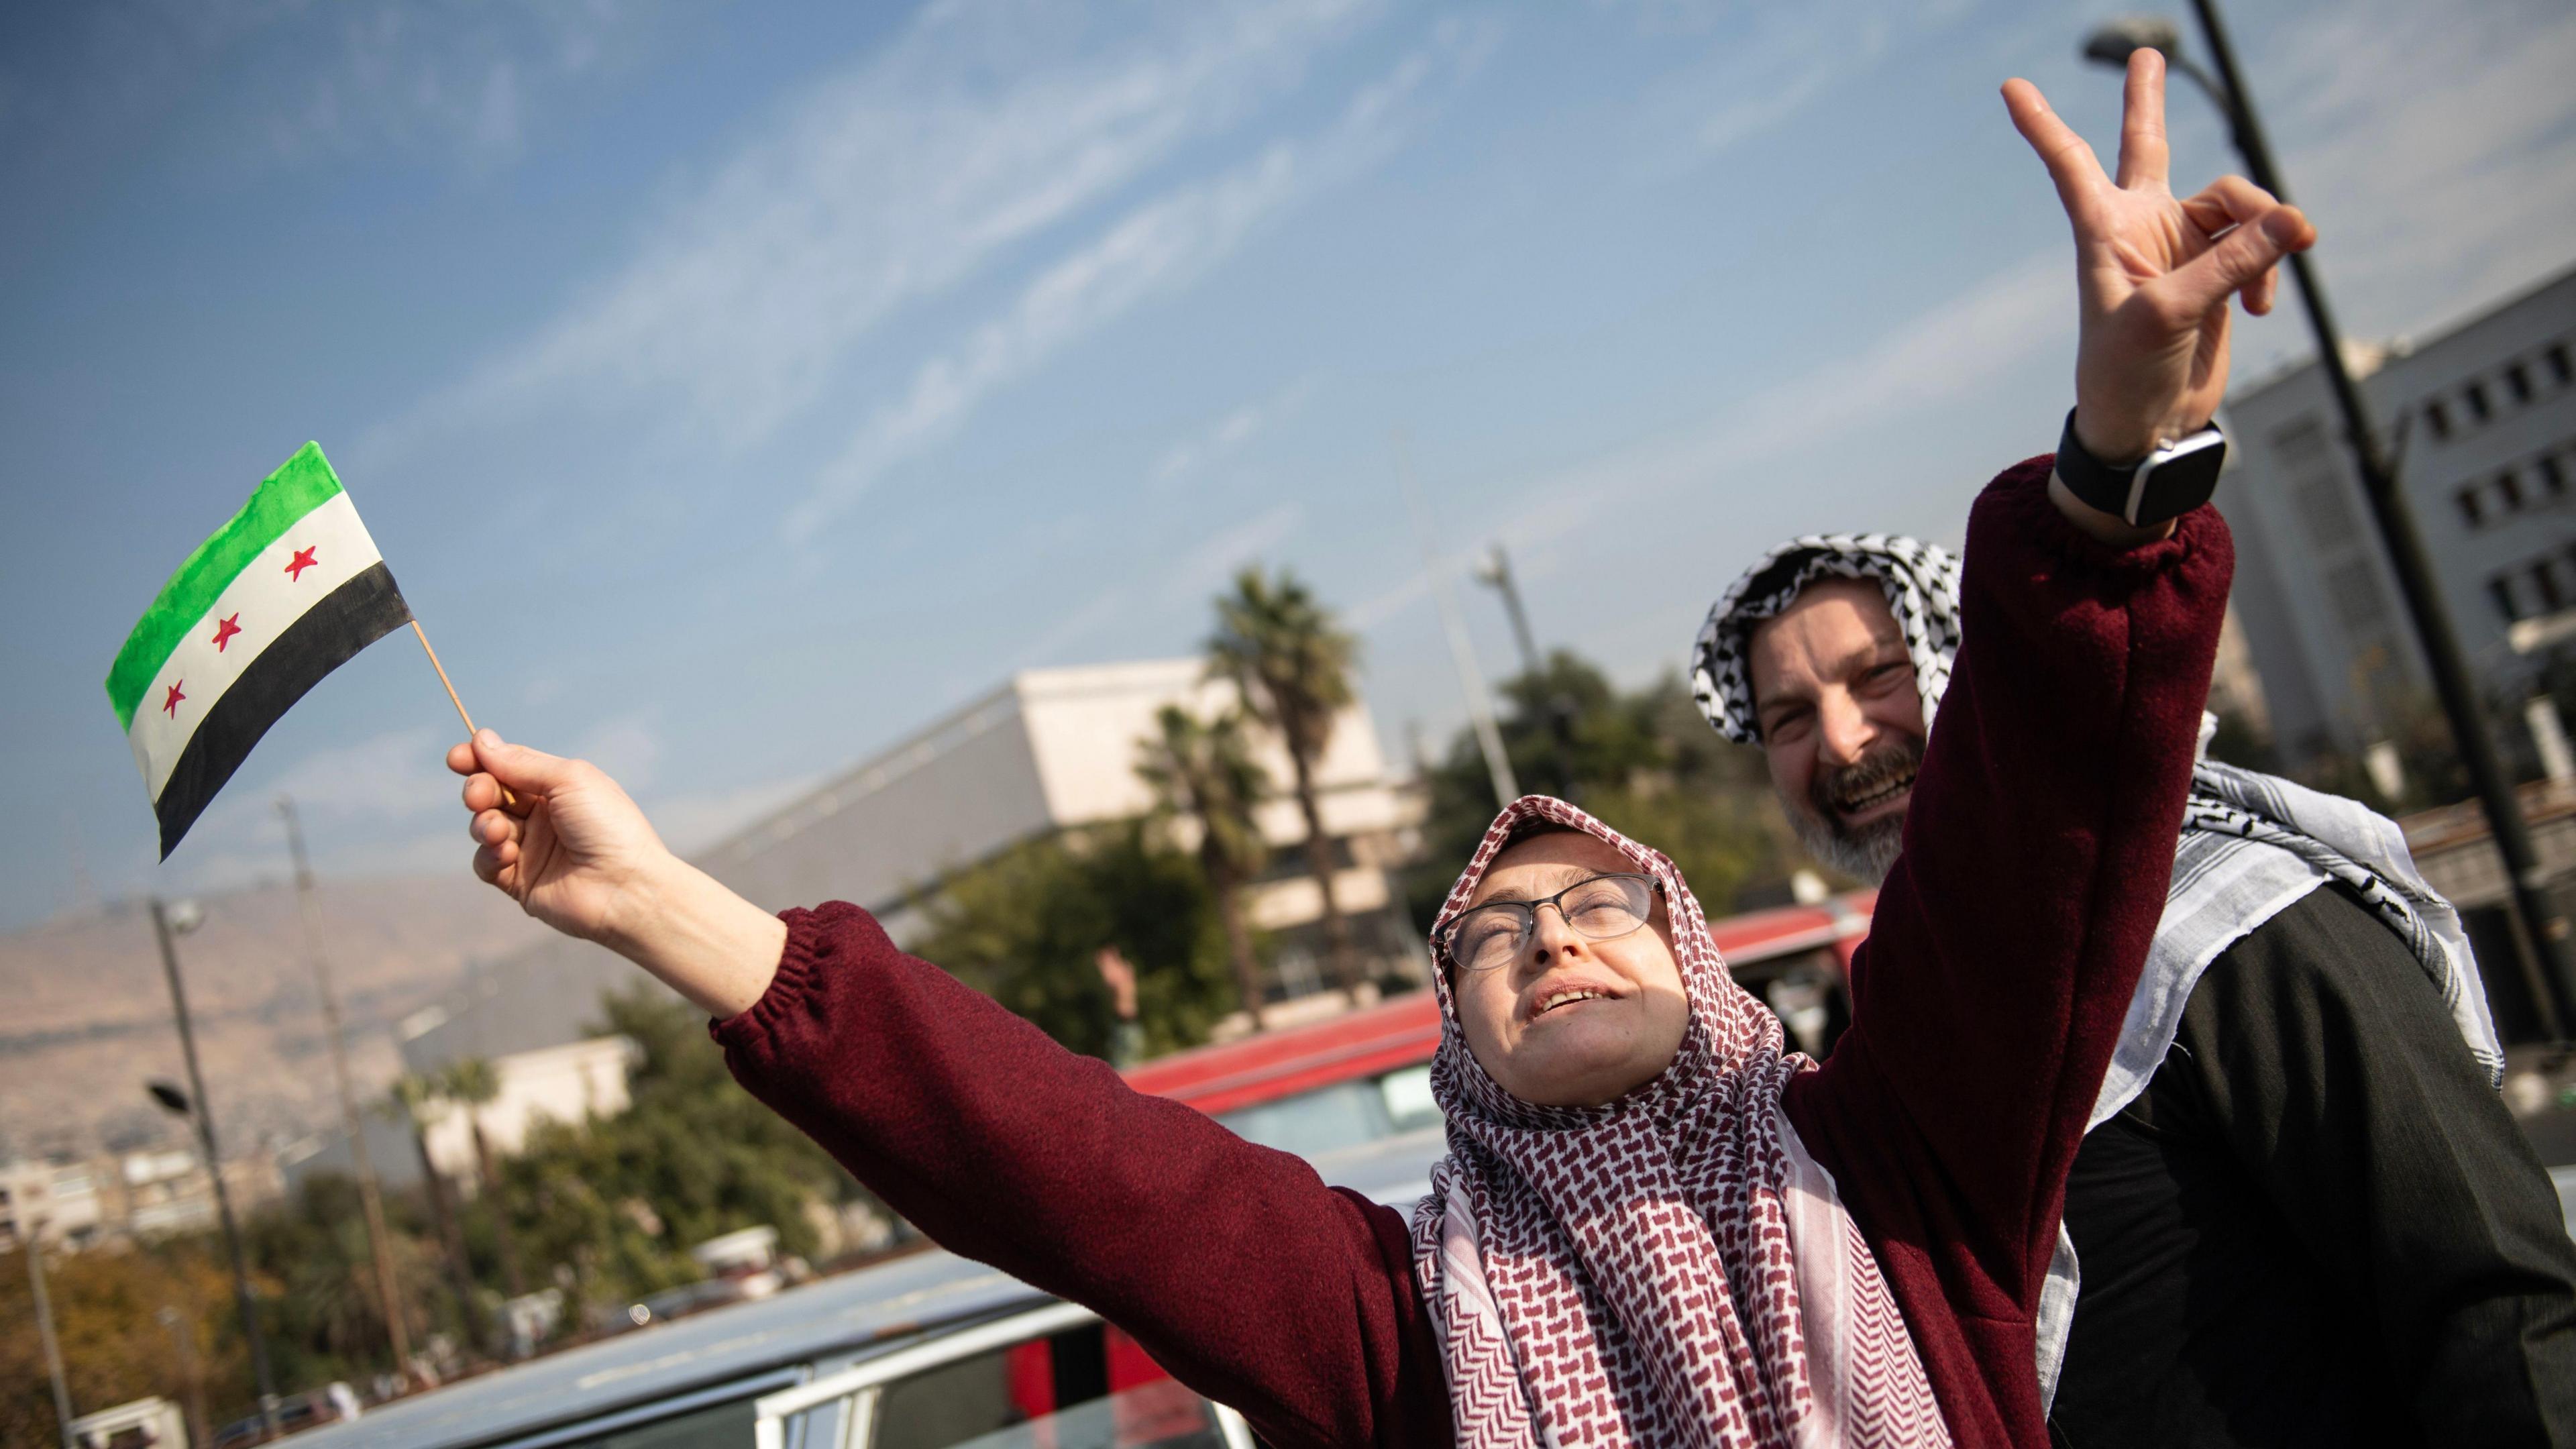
x: 1656, y: 1226
x: 2301, y: 1214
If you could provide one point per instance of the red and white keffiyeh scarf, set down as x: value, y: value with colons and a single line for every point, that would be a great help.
x: 1669, y: 1269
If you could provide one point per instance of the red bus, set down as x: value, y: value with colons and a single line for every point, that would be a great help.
x: 1366, y: 1075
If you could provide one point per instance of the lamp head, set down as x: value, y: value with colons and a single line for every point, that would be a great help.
x: 2113, y: 41
x: 173, y: 1100
x: 185, y: 916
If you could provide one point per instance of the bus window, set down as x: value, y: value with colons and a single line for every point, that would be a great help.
x: 1344, y: 1114
x: 1409, y: 1104
x: 1085, y: 1388
x: 725, y: 1425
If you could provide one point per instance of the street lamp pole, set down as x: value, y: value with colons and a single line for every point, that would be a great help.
x: 2538, y: 930
x: 1462, y: 653
x: 35, y: 1244
x: 1497, y: 573
x: 202, y: 1115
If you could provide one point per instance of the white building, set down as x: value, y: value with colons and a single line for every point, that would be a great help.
x: 52, y: 1202
x: 1054, y: 750
x: 570, y: 1084
x: 2483, y: 419
x: 167, y: 1192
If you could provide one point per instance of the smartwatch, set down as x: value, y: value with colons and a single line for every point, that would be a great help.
x: 2174, y: 479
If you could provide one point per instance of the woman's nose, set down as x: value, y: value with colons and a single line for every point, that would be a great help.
x: 1549, y: 934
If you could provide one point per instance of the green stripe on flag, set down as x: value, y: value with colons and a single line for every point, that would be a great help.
x: 303, y: 483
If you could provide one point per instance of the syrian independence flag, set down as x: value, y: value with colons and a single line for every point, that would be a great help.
x: 282, y: 595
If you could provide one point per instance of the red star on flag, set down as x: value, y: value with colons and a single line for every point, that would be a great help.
x: 295, y: 567
x: 225, y: 629
x: 170, y: 706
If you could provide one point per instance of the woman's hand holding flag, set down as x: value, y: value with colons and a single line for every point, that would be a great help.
x: 576, y: 852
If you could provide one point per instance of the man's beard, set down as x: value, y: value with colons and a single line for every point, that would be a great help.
x: 1864, y: 852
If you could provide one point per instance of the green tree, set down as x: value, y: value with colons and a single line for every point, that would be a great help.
x: 1025, y: 926
x: 1205, y: 769
x: 116, y: 1346
x: 1648, y: 765
x: 415, y: 1102
x: 316, y: 1277
x: 1292, y: 664
x: 471, y: 1083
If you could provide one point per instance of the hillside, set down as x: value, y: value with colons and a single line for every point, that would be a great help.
x: 89, y: 1021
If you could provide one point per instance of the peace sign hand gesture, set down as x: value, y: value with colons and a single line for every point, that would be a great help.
x: 2153, y: 273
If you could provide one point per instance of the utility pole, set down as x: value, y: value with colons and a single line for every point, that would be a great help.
x: 1497, y: 574
x: 1471, y: 680
x: 45, y: 1330
x: 2539, y: 930
x: 192, y: 1377
x: 379, y: 1242
x: 202, y: 1113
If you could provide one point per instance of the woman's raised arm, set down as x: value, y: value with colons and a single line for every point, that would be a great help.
x: 1234, y: 1265
x: 566, y: 843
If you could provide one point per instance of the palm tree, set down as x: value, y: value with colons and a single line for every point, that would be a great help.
x: 1292, y: 664
x: 1206, y: 769
x: 415, y: 1102
x: 472, y: 1082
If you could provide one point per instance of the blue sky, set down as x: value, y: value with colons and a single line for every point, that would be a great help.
x: 734, y: 388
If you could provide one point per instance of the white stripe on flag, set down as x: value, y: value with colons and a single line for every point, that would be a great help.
x: 262, y: 601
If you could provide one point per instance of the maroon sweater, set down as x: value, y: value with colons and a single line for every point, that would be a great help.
x: 1987, y: 1001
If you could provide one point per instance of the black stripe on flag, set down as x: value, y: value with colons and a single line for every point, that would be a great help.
x: 351, y: 617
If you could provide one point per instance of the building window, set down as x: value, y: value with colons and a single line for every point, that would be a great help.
x: 2509, y: 486
x: 2302, y: 444
x: 2517, y: 380
x: 2469, y: 507
x: 2553, y: 476
x: 2326, y: 512
x: 2544, y: 579
x: 2354, y: 591
x: 2559, y: 368
x: 2477, y: 400
x: 2500, y: 589
x: 2438, y: 418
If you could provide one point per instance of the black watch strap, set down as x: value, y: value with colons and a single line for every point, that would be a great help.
x: 2170, y: 481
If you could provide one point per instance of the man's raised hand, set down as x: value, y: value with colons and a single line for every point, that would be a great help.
x: 570, y: 848
x: 2153, y: 273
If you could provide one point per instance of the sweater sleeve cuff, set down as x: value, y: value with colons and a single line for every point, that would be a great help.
x: 2019, y: 495
x: 819, y: 941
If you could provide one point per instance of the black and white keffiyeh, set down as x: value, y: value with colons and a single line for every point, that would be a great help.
x: 1921, y: 581
x: 2251, y: 844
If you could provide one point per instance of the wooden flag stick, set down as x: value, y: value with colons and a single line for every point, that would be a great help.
x: 442, y: 677
x: 506, y: 797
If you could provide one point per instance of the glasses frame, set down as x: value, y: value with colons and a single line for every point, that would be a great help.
x: 1529, y: 909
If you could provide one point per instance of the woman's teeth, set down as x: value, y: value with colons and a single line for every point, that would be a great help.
x: 1562, y: 997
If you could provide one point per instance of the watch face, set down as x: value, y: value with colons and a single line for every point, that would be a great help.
x: 2174, y: 483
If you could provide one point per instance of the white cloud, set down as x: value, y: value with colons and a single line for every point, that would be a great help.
x: 2436, y: 147
x: 1222, y: 438
x: 344, y: 797
x: 1943, y: 356
x: 1157, y: 248
x: 627, y: 747
x: 694, y: 821
x: 394, y: 774
x: 1947, y: 354
x: 1182, y: 588
x: 1206, y: 568
x: 979, y: 127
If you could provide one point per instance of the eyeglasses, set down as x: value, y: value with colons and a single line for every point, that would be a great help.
x: 1599, y: 909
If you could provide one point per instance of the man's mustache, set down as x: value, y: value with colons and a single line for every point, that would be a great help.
x: 1891, y: 762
